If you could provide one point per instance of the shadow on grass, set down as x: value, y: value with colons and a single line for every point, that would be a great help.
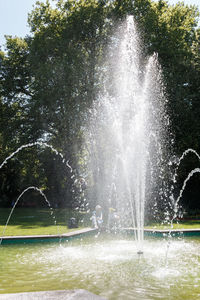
x: 190, y: 222
x: 33, y: 217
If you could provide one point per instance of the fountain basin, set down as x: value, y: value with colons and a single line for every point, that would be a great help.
x: 108, y: 266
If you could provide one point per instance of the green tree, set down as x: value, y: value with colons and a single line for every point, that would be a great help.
x: 49, y: 80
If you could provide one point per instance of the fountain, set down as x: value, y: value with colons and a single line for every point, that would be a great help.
x: 127, y: 134
x: 128, y: 145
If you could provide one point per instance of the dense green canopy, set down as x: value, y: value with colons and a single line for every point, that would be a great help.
x: 49, y: 80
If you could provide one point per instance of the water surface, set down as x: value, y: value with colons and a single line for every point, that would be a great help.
x: 108, y: 267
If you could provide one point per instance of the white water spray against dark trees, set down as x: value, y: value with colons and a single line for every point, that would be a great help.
x: 127, y: 134
x: 80, y: 202
x: 41, y: 144
x: 16, y: 202
x: 127, y: 139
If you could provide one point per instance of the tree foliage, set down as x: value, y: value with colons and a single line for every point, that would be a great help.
x: 48, y: 82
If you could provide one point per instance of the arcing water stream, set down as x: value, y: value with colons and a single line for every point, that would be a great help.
x: 16, y: 202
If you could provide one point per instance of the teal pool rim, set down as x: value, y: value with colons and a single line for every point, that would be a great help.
x: 165, y: 233
x: 6, y: 240
x: 92, y: 231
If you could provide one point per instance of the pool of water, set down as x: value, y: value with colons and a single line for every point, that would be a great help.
x: 108, y: 267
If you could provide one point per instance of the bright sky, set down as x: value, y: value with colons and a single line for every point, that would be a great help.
x: 14, y: 13
x: 13, y: 17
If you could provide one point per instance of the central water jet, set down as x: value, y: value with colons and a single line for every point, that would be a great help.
x: 127, y: 129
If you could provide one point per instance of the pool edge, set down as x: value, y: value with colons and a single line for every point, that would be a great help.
x: 28, y: 239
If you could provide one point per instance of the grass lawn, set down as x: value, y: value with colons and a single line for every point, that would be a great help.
x: 32, y: 221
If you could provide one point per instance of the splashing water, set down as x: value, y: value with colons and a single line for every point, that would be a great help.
x: 82, y: 204
x: 177, y: 162
x: 197, y: 170
x: 16, y: 202
x: 35, y: 144
x: 126, y: 136
x: 186, y: 152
